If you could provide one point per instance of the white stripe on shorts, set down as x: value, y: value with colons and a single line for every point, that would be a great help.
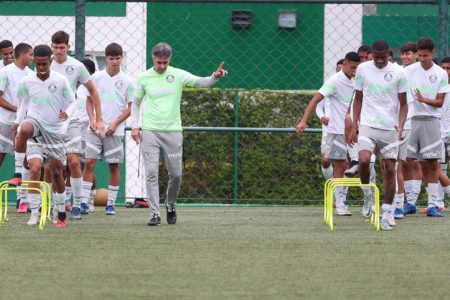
x: 113, y: 150
x: 412, y: 149
x: 92, y: 146
x: 363, y: 138
x: 429, y: 147
x: 394, y: 144
x: 5, y: 139
x: 340, y: 145
x: 75, y: 140
x: 54, y: 146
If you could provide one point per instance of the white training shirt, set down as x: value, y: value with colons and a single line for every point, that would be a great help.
x: 1, y: 64
x: 323, y: 110
x: 43, y: 100
x: 430, y: 83
x: 339, y: 90
x: 10, y: 78
x: 380, y: 89
x: 445, y: 117
x: 82, y: 94
x: 115, y: 94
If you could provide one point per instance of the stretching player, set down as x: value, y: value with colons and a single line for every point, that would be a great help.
x: 115, y: 89
x: 379, y: 88
x: 46, y: 100
x: 428, y: 83
x: 339, y: 90
x: 161, y: 86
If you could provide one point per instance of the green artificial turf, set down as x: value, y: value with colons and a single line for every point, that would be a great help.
x: 225, y: 253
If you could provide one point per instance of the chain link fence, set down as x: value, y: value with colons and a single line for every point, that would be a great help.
x: 272, y: 51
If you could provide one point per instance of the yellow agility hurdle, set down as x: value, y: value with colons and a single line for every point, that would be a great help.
x: 329, y: 187
x: 46, y: 199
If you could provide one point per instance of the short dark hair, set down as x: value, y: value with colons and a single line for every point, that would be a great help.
x: 162, y: 49
x: 60, y: 37
x: 352, y: 56
x: 445, y: 60
x: 113, y: 49
x: 380, y: 46
x: 90, y: 65
x: 425, y: 44
x: 364, y: 48
x: 340, y: 62
x: 42, y: 51
x: 21, y: 48
x: 391, y: 53
x: 5, y: 44
x: 409, y: 46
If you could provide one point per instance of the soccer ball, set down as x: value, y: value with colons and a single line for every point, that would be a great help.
x: 101, y: 197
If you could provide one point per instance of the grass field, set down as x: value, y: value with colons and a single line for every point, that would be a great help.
x: 225, y: 253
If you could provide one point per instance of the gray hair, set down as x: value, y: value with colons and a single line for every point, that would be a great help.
x: 162, y: 49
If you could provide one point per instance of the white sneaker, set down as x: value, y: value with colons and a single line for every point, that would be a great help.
x: 34, y: 219
x: 384, y: 224
x: 342, y: 211
x: 352, y: 171
x: 391, y: 220
x: 368, y: 207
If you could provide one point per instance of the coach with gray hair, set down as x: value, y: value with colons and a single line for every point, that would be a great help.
x: 162, y: 86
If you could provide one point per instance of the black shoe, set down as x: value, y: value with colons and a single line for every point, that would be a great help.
x: 129, y: 204
x: 154, y: 221
x: 171, y: 214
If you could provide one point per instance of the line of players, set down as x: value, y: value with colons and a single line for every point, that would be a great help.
x: 46, y: 125
x: 374, y: 106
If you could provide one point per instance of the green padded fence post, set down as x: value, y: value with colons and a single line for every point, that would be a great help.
x: 443, y: 29
x: 236, y: 149
x: 80, y: 29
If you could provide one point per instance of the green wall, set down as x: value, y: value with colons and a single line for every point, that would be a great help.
x: 262, y: 56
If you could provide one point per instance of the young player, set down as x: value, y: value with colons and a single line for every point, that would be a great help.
x: 380, y: 86
x: 10, y: 78
x: 161, y: 86
x: 46, y: 100
x: 76, y: 73
x: 6, y: 52
x: 339, y: 90
x: 428, y: 83
x: 115, y: 89
x: 365, y: 53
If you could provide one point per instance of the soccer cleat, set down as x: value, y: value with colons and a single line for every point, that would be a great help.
x: 385, y: 226
x: 34, y: 219
x: 433, y: 212
x: 23, y: 208
x: 154, y: 221
x: 398, y: 213
x: 16, y: 180
x: 110, y: 210
x: 391, y: 221
x: 367, y: 206
x: 60, y: 223
x: 84, y: 209
x: 61, y: 220
x: 352, y: 171
x: 172, y: 214
x: 129, y: 204
x: 76, y: 214
x: 68, y: 207
x: 409, y: 209
x: 341, y: 211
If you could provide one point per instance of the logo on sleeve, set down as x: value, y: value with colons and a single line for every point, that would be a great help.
x: 170, y: 78
x: 432, y: 78
x: 388, y: 77
x: 52, y: 88
x: 119, y: 84
x: 69, y: 70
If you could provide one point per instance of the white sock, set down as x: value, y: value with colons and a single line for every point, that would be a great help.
x: 396, y: 178
x: 432, y: 191
x: 399, y: 200
x: 373, y: 174
x: 440, y: 196
x: 337, y: 193
x: 23, y: 193
x: 386, y: 208
x: 327, y: 172
x: 18, y: 157
x: 60, y: 200
x: 35, y: 202
x: 412, y: 190
x: 367, y: 190
x: 112, y: 194
x: 446, y: 190
x: 92, y: 197
x: 86, y: 191
x: 76, y: 184
x: 68, y: 194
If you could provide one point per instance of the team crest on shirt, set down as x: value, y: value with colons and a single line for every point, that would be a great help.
x: 52, y: 88
x: 69, y: 70
x: 119, y: 84
x: 432, y: 78
x: 170, y: 78
x: 388, y: 77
